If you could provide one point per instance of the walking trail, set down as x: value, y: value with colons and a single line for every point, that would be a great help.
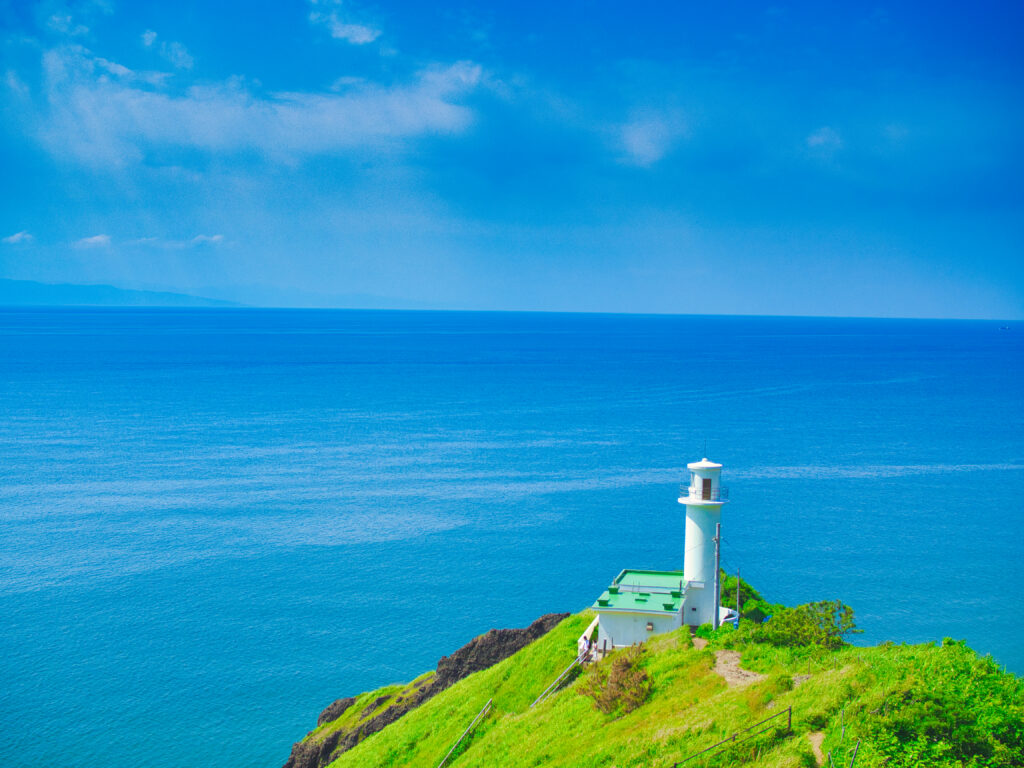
x: 727, y: 665
x: 816, y: 739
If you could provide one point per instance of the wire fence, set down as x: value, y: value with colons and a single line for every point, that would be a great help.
x: 735, y: 739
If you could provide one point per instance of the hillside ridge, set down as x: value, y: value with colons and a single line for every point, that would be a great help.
x: 331, y: 737
x: 793, y: 688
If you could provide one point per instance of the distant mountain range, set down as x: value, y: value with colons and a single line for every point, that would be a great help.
x: 22, y: 293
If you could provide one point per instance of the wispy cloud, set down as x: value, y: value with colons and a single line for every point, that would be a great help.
x: 649, y: 136
x: 96, y: 241
x: 173, y: 52
x: 825, y: 141
x: 357, y: 34
x: 64, y: 23
x: 110, y: 122
x: 177, y: 54
x: 19, y: 237
x: 340, y: 27
x: 194, y: 242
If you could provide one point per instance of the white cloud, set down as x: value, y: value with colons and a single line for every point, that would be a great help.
x: 346, y: 81
x: 65, y: 24
x: 19, y: 237
x: 175, y: 245
x: 96, y: 241
x: 177, y: 54
x: 102, y: 69
x: 110, y: 122
x: 824, y: 140
x: 342, y: 28
x: 173, y: 52
x: 649, y: 136
x: 113, y: 67
x: 15, y: 83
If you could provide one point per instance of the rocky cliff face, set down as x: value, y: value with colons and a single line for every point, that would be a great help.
x: 317, y: 750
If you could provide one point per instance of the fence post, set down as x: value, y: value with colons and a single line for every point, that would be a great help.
x: 855, y: 750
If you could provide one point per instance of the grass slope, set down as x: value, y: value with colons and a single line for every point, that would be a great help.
x: 907, y: 705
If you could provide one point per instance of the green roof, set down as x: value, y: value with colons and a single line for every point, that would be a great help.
x: 644, y: 592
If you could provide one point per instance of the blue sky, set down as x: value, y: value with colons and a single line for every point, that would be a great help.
x: 794, y: 158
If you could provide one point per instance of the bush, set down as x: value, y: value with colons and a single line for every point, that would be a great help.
x: 825, y: 623
x: 704, y: 631
x: 618, y: 684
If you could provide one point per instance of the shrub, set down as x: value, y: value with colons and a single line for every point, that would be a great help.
x: 619, y: 684
x: 825, y: 623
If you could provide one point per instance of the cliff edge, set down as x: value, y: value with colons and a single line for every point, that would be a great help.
x: 346, y: 722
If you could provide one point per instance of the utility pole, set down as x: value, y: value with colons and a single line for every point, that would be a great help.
x: 737, y: 598
x: 718, y: 576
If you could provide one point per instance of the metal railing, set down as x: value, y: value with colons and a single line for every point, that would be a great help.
x: 558, y: 680
x: 721, y: 493
x: 733, y: 740
x: 644, y: 589
x: 480, y: 714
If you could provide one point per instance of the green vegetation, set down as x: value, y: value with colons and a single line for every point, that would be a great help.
x: 906, y: 705
x: 369, y: 704
x: 620, y: 686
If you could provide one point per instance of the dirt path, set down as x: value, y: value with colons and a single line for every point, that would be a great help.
x: 816, y: 739
x: 727, y: 665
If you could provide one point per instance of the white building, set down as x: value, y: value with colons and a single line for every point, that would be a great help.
x: 641, y: 603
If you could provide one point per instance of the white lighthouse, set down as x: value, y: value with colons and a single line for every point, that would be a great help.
x: 703, y: 498
x: 642, y: 603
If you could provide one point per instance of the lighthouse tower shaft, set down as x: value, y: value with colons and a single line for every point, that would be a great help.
x: 703, y: 499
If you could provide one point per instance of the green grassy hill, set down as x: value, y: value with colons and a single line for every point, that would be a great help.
x: 921, y: 705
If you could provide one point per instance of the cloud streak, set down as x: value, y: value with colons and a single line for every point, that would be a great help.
x: 114, y: 121
x: 177, y: 245
x: 357, y: 34
x: 340, y: 28
x: 649, y: 136
x: 824, y: 142
x: 96, y: 241
x: 173, y: 52
x: 19, y: 237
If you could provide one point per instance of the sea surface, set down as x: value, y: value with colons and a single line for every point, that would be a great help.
x: 215, y: 522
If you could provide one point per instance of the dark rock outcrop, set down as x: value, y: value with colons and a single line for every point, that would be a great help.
x: 488, y: 649
x: 335, y: 710
x: 478, y: 654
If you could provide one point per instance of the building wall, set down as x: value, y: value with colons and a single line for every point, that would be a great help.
x: 621, y: 629
x: 699, y: 604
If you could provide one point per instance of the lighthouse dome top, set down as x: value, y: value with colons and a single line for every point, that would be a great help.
x: 703, y: 464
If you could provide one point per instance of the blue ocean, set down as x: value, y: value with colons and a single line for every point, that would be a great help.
x: 215, y: 522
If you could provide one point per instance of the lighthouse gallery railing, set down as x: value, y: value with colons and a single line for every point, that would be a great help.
x: 721, y: 493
